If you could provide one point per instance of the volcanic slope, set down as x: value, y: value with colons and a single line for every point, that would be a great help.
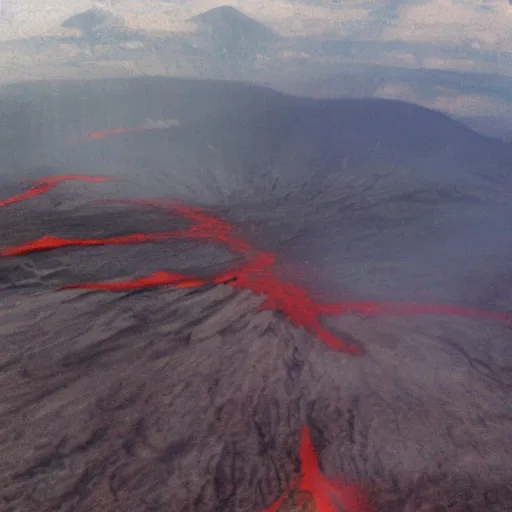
x: 186, y: 384
x: 398, y: 199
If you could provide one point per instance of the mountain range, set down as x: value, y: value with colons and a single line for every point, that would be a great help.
x: 224, y: 43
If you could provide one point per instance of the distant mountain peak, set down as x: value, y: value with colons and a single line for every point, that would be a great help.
x: 223, y: 13
x: 92, y: 19
x: 225, y: 19
x: 222, y: 10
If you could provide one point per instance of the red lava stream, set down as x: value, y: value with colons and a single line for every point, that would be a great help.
x: 43, y: 185
x: 256, y: 275
x: 311, y: 490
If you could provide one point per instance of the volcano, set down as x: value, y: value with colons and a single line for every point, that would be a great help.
x: 233, y: 25
x: 222, y: 297
x: 231, y: 37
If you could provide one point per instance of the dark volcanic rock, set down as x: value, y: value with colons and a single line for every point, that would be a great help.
x: 193, y: 399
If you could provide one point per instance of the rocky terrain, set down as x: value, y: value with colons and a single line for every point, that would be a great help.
x: 192, y: 395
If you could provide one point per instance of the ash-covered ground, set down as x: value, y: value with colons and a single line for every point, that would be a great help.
x: 193, y: 399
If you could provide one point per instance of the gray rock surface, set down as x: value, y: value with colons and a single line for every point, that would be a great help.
x: 192, y: 399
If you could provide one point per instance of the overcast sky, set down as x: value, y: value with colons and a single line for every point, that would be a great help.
x: 458, y: 35
x: 481, y: 25
x: 484, y: 22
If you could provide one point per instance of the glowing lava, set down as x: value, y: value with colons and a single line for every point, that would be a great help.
x: 48, y: 242
x: 313, y: 492
x: 42, y: 185
x: 148, y: 125
x: 257, y: 274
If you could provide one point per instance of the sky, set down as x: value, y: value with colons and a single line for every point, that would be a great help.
x: 456, y: 25
x: 475, y: 22
x: 461, y: 22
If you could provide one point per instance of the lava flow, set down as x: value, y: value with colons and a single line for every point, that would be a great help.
x: 42, y: 185
x: 257, y: 274
x: 313, y: 492
x: 100, y: 134
x: 146, y: 126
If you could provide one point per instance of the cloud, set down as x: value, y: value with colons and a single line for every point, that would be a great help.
x: 397, y: 91
x: 455, y: 22
x: 311, y: 18
x: 446, y: 100
x: 399, y: 58
x: 443, y: 34
x: 472, y: 105
x: 480, y: 24
x: 453, y: 64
